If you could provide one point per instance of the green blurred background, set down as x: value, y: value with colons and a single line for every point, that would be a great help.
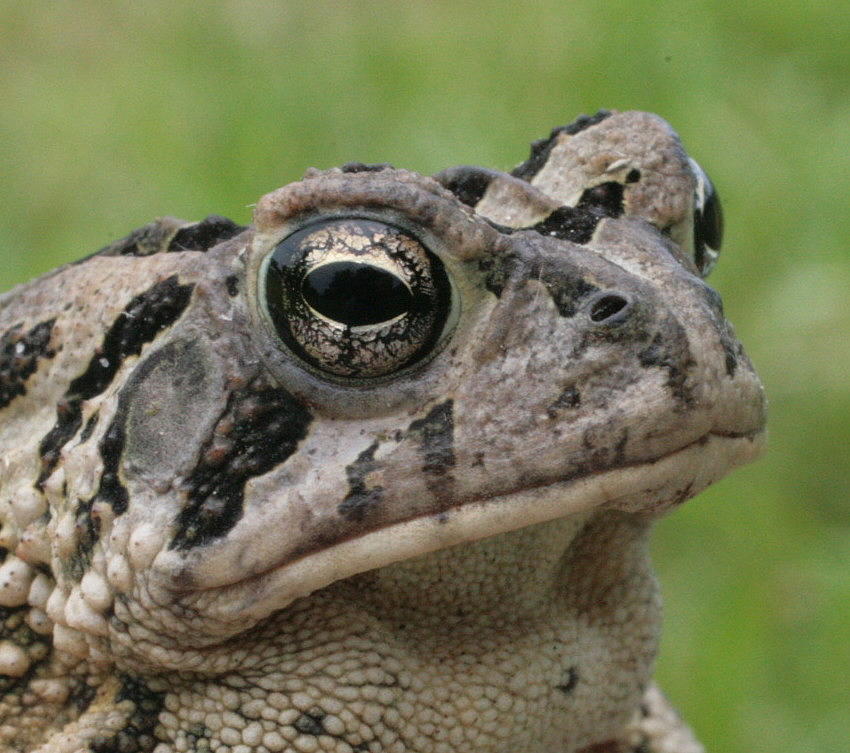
x: 113, y: 114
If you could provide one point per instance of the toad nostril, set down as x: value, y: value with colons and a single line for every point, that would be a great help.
x: 609, y: 308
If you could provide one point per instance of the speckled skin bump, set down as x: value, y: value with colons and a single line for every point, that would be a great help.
x: 375, y: 473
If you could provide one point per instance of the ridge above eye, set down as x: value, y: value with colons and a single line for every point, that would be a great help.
x: 356, y: 297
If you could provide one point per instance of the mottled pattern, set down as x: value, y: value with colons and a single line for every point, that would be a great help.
x: 387, y: 492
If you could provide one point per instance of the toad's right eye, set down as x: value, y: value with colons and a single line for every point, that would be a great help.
x: 708, y: 221
x: 356, y: 298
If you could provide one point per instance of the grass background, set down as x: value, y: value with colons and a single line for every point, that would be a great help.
x: 114, y: 113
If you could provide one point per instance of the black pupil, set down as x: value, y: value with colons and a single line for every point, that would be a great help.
x: 356, y: 294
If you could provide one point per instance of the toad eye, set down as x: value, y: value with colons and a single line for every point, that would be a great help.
x: 356, y: 297
x: 708, y: 221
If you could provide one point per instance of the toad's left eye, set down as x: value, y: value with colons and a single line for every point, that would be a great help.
x: 708, y: 221
x: 356, y: 298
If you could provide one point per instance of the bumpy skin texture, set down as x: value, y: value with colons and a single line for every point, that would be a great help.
x: 212, y: 545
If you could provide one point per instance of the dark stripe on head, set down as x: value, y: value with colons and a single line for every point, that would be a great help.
x: 542, y: 148
x: 111, y: 490
x: 467, y: 182
x: 147, y: 240
x: 572, y: 224
x: 140, y: 322
x: 260, y: 428
x: 171, y: 234
x: 19, y: 354
x: 205, y: 234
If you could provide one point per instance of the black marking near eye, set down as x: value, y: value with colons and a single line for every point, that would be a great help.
x: 565, y: 283
x: 205, y: 234
x: 19, y: 355
x: 138, y: 324
x: 361, y: 498
x: 542, y: 148
x: 604, y: 198
x: 260, y: 428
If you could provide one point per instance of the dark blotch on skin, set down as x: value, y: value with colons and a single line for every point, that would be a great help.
x: 310, y: 724
x: 139, y: 733
x: 19, y: 354
x: 496, y: 271
x: 82, y: 694
x: 605, y: 199
x: 568, y: 290
x: 147, y: 240
x: 13, y: 628
x: 568, y: 682
x: 111, y: 446
x: 568, y: 399
x: 205, y: 234
x: 609, y: 746
x: 436, y: 432
x: 542, y: 148
x: 365, y: 167
x: 435, y: 436
x: 468, y: 183
x: 166, y: 234
x: 360, y: 498
x: 140, y: 322
x: 232, y: 284
x: 658, y: 354
x: 89, y: 428
x: 573, y: 224
x: 260, y: 428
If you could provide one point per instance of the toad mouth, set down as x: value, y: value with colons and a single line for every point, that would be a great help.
x: 666, y: 481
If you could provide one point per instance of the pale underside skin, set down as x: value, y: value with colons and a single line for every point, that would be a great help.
x: 221, y: 537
